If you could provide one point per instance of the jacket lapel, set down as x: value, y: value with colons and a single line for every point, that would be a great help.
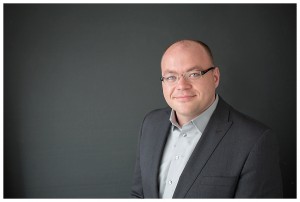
x: 161, y: 131
x: 212, y: 135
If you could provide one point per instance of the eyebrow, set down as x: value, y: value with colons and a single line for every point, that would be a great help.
x: 188, y: 70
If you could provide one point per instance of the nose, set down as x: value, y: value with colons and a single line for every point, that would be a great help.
x: 183, y: 84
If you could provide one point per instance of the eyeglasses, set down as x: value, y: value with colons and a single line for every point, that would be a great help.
x: 172, y: 79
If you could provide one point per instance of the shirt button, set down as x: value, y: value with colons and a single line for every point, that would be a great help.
x: 176, y: 157
x: 170, y: 182
x: 184, y: 134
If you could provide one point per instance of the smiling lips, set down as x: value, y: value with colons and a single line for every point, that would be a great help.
x: 184, y: 98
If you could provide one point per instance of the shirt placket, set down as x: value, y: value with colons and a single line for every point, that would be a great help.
x: 176, y: 164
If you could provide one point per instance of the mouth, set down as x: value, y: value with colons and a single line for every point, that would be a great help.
x: 184, y: 98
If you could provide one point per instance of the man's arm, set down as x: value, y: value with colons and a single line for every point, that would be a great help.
x: 137, y: 186
x: 261, y: 176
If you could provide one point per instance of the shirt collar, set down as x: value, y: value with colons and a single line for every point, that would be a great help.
x: 200, y: 121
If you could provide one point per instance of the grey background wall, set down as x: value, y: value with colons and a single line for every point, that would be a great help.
x: 78, y: 80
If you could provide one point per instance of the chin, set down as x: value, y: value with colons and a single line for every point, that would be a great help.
x: 185, y: 112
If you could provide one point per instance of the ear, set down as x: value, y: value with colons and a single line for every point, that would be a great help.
x: 216, y: 75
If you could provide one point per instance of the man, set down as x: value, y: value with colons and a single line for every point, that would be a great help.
x: 202, y: 147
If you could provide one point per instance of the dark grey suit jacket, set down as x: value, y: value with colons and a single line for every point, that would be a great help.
x: 236, y: 156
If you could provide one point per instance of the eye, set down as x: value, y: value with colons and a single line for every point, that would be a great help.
x: 170, y: 78
x: 194, y: 74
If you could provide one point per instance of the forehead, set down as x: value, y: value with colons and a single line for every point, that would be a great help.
x: 183, y: 56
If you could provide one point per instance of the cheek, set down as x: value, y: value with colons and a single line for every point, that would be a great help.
x: 205, y: 89
x: 167, y: 92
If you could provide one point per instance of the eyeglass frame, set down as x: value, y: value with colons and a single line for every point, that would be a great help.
x: 177, y: 77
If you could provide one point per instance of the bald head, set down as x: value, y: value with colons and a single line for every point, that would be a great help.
x: 185, y: 44
x: 187, y: 53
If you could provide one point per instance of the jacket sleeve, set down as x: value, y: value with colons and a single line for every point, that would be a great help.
x: 261, y: 176
x: 137, y: 187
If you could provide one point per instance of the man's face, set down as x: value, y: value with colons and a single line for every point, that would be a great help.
x: 189, y: 98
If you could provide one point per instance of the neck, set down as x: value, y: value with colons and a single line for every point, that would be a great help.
x: 183, y: 119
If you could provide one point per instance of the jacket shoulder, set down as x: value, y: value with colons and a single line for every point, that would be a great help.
x: 247, y: 121
x: 157, y: 114
x: 242, y: 124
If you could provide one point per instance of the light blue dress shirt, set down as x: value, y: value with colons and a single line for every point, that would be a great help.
x: 179, y: 147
